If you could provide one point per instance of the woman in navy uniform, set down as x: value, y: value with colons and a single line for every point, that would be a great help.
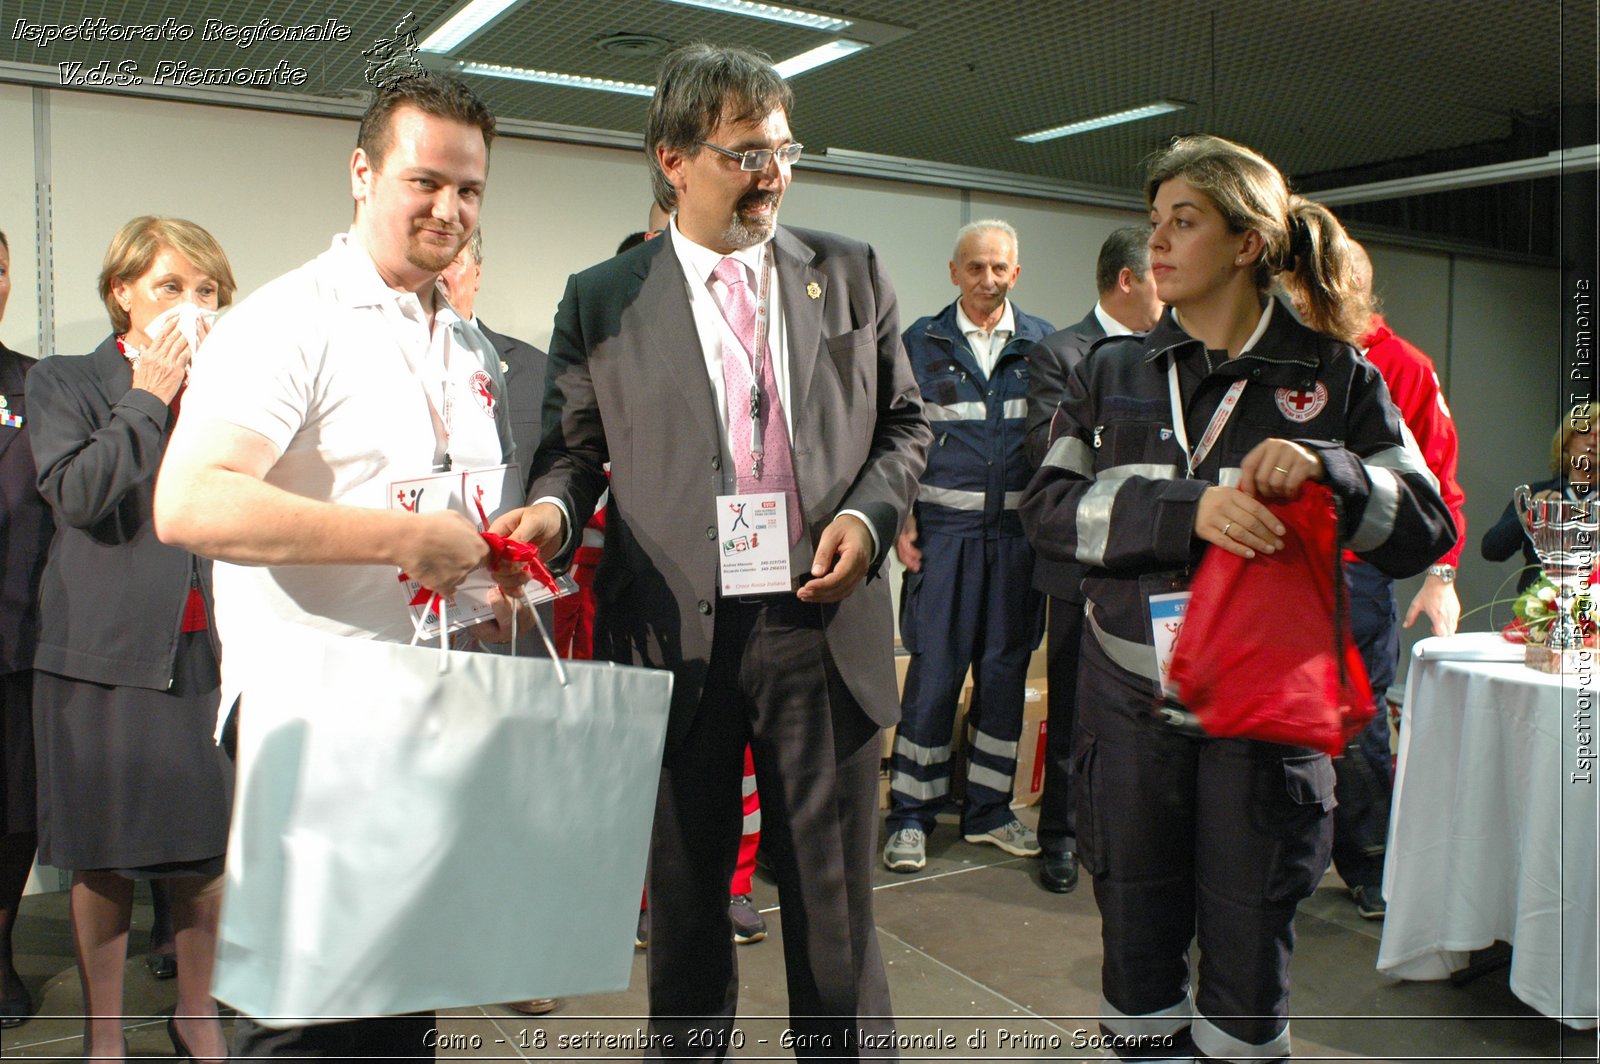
x: 1165, y: 445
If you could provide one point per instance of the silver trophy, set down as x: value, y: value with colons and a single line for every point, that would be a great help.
x: 1563, y: 532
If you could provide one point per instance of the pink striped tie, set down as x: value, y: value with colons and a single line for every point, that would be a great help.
x: 777, y: 459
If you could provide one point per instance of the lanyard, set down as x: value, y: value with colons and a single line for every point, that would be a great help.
x: 1213, y: 430
x: 758, y: 359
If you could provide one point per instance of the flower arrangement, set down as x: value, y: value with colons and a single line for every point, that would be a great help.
x: 1535, y: 609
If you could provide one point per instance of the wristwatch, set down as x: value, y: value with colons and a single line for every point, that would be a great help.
x: 1446, y: 573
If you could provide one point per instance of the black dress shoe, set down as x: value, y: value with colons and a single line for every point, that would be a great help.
x: 162, y: 965
x: 1058, y: 872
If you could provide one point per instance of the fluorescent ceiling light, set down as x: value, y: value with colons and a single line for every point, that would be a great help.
x: 821, y: 55
x: 770, y: 12
x: 567, y: 81
x: 1133, y: 114
x: 463, y: 24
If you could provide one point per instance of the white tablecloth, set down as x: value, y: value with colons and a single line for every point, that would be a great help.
x: 1494, y: 828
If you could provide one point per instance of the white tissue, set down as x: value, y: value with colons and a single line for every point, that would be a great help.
x: 186, y: 318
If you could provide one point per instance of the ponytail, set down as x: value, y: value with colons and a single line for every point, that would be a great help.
x: 1321, y: 273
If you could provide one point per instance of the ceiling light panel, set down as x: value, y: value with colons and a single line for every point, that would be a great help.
x: 821, y: 55
x: 1116, y: 118
x: 463, y: 24
x: 566, y: 81
x: 771, y: 13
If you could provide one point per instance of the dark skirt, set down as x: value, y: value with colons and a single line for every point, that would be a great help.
x: 130, y: 779
x: 17, y: 814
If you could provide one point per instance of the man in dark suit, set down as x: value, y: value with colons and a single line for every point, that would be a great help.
x: 520, y: 362
x: 653, y: 362
x: 1128, y: 304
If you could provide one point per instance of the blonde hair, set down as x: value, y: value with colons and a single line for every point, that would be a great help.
x: 136, y: 246
x: 1580, y: 420
x: 1304, y: 245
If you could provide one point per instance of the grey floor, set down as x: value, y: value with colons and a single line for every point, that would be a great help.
x: 977, y: 953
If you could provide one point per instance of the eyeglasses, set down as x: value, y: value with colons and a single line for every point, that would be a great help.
x: 758, y: 158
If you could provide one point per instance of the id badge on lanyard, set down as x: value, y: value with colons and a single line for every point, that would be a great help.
x: 753, y: 544
x: 1166, y: 601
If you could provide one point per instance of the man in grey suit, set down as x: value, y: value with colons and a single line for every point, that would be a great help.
x: 1128, y: 304
x: 664, y: 362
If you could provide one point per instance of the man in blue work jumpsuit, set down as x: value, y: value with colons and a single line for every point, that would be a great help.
x: 968, y: 596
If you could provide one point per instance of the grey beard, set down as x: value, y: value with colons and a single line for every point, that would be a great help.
x: 738, y: 235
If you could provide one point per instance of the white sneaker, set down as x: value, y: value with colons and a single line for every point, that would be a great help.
x: 906, y: 851
x: 1011, y: 837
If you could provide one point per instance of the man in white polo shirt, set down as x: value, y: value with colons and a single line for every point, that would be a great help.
x: 318, y: 392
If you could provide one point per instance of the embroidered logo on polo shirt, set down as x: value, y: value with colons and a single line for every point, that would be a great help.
x: 482, y: 386
x: 1301, y: 406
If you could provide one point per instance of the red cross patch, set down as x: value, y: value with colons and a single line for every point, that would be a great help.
x: 1301, y: 406
x: 482, y: 388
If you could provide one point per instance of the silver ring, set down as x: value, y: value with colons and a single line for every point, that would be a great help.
x: 1282, y: 470
x: 1225, y: 528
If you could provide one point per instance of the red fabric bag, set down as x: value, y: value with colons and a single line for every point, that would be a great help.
x: 1265, y: 651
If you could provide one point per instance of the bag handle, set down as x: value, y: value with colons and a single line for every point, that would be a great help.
x: 441, y: 604
x: 544, y: 634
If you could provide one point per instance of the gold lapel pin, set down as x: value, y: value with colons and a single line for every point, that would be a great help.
x: 814, y: 290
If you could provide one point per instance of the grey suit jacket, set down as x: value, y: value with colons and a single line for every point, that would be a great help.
x: 1050, y: 363
x: 523, y: 366
x: 627, y: 384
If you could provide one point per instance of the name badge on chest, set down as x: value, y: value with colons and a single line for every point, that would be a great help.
x: 753, y: 543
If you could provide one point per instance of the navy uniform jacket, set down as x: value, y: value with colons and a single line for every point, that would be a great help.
x: 1112, y: 494
x: 25, y: 527
x: 977, y: 466
x: 1051, y: 363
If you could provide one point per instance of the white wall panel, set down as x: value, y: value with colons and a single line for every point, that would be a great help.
x: 272, y: 188
x: 20, y: 329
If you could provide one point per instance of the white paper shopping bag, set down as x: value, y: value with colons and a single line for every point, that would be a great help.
x: 405, y: 839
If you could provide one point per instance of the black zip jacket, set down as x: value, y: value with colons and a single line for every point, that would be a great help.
x: 1112, y: 493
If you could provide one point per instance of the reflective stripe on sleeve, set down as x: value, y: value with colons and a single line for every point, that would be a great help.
x: 1383, y: 507
x: 1071, y: 454
x: 1094, y: 509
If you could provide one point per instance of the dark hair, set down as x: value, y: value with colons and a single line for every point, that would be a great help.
x: 1127, y: 248
x: 631, y: 241
x: 1304, y: 243
x: 4, y: 243
x: 432, y: 94
x: 698, y: 87
x: 136, y: 246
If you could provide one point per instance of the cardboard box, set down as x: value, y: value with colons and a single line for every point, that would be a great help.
x: 1031, y: 747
